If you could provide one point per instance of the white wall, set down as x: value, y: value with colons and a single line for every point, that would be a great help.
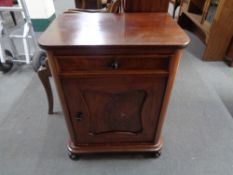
x: 40, y: 9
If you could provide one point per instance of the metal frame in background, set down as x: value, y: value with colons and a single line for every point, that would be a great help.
x: 28, y: 33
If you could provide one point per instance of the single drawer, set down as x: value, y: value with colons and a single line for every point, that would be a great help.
x: 104, y: 63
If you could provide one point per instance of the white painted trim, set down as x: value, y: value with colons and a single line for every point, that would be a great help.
x: 40, y: 9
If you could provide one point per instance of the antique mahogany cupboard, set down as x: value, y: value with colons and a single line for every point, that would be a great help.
x: 114, y: 74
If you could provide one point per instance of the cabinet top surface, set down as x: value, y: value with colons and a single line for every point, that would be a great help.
x: 104, y: 29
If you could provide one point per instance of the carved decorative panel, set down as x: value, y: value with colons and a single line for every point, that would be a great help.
x: 115, y: 112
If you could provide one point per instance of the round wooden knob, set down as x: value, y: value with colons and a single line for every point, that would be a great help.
x: 115, y: 65
x: 79, y: 116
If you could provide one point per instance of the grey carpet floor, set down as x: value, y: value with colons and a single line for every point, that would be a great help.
x: 198, y: 131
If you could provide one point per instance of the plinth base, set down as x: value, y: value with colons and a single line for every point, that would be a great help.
x: 75, y: 151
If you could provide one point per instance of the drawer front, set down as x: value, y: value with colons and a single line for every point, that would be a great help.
x: 104, y: 63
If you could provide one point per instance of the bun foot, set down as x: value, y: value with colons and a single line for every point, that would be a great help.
x: 156, y: 154
x: 73, y: 156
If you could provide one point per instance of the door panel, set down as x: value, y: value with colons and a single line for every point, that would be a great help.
x: 114, y: 109
x: 118, y: 112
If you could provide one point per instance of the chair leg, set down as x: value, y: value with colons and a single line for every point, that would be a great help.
x: 44, y: 74
x: 174, y: 11
x: 99, y: 4
x: 13, y: 18
x: 80, y: 4
x: 83, y: 4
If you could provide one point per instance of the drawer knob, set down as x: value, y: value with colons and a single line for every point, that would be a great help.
x: 79, y: 116
x: 115, y: 65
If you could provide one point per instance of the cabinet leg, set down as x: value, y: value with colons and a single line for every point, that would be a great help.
x: 73, y: 156
x: 156, y: 154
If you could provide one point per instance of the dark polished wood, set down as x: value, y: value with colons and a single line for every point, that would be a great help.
x: 114, y: 75
x: 88, y: 4
x: 196, y: 6
x: 113, y: 6
x: 113, y: 108
x: 153, y: 29
x: 176, y: 4
x: 230, y: 53
x: 44, y: 74
x: 109, y: 63
x: 146, y: 5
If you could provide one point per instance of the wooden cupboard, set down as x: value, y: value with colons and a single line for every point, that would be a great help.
x: 114, y: 74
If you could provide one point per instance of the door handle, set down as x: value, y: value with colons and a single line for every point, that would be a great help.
x: 114, y: 65
x: 79, y: 116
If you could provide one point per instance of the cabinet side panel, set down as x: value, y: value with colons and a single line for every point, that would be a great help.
x: 54, y: 70
x: 174, y: 65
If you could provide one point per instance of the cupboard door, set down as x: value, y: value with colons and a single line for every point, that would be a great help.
x: 114, y: 109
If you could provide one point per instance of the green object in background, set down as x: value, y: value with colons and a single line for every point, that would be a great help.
x: 40, y: 25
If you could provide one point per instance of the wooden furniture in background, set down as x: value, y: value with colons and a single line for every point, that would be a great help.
x: 196, y: 6
x: 230, y: 53
x: 114, y: 79
x: 216, y: 36
x: 112, y: 7
x: 176, y: 4
x: 88, y: 4
x: 146, y: 5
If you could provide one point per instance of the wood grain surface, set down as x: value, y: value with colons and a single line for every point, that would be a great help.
x: 157, y: 29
